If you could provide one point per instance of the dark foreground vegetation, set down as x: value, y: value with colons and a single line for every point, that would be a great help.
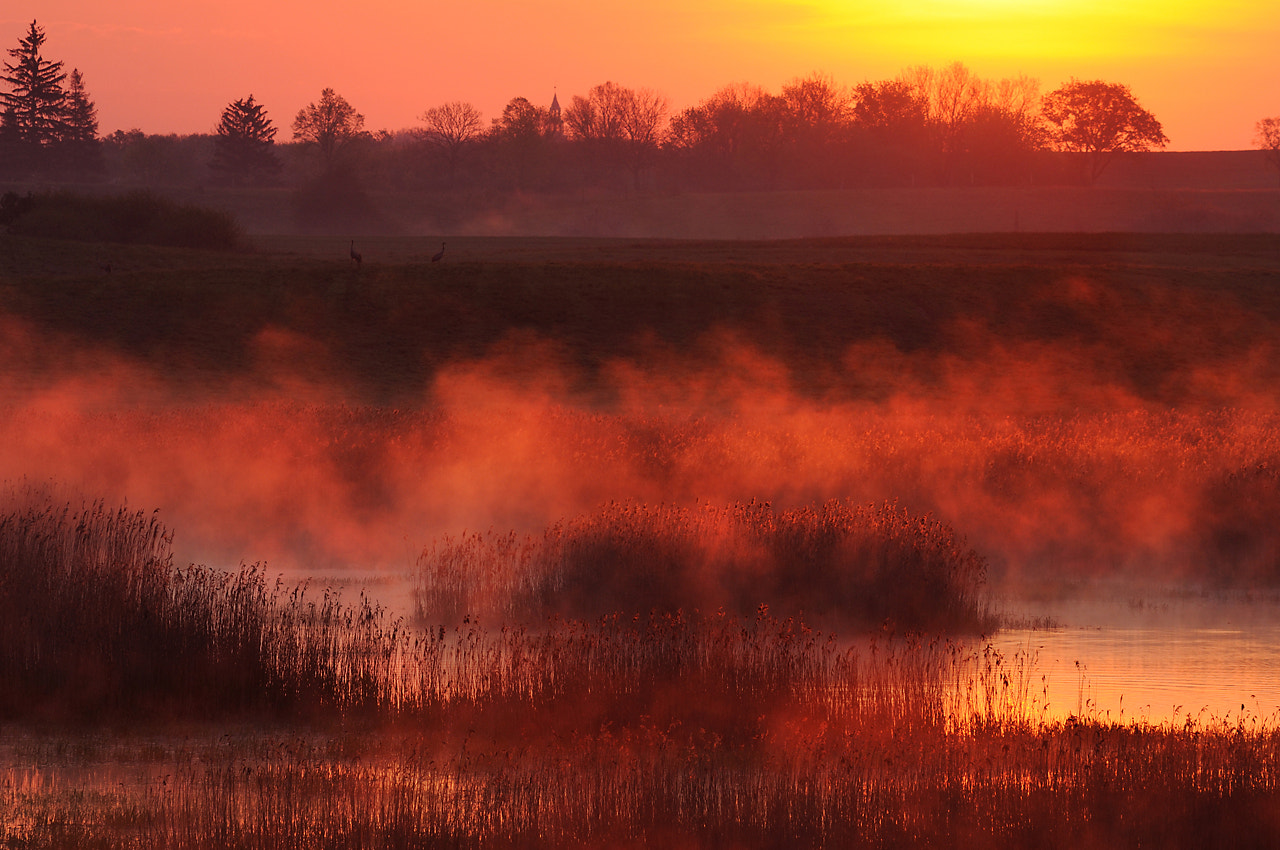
x: 679, y: 727
x: 138, y: 217
x: 99, y: 624
x: 681, y: 665
x: 906, y: 310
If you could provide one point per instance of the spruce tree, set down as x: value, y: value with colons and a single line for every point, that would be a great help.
x: 34, y: 104
x: 244, y: 149
x: 81, y: 149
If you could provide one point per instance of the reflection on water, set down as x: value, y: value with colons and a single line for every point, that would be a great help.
x: 1117, y: 653
x: 1159, y: 658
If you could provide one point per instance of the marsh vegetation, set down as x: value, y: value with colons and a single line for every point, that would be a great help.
x: 703, y: 540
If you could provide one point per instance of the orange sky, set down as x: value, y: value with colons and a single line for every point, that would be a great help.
x: 1208, y: 69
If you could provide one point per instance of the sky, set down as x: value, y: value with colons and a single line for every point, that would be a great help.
x: 1207, y: 69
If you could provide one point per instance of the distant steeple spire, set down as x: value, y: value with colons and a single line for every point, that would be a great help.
x: 555, y: 124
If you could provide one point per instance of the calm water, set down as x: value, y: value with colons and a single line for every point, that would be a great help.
x: 1157, y: 657
x: 1116, y: 652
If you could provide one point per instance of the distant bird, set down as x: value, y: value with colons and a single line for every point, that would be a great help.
x: 356, y: 255
x: 439, y: 255
x: 106, y: 267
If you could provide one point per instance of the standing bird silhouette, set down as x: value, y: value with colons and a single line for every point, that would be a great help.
x: 356, y: 255
x: 439, y: 255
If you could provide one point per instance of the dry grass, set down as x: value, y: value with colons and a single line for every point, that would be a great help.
x: 150, y: 704
x: 840, y: 564
x: 700, y: 729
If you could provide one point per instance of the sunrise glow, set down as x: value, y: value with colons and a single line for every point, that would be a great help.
x: 1206, y: 69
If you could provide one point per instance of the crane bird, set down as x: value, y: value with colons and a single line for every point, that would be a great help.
x: 356, y: 255
x: 439, y: 255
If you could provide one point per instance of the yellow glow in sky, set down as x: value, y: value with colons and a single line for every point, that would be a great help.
x: 1208, y: 70
x: 1029, y: 30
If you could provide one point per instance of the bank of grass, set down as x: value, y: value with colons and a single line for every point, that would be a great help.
x: 681, y: 727
x: 135, y: 218
x: 97, y: 622
x: 1098, y: 310
x: 690, y: 729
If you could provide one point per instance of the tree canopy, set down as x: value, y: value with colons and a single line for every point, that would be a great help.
x: 244, y: 148
x: 1268, y: 139
x: 1099, y: 119
x: 331, y: 124
x: 450, y: 128
x: 34, y: 103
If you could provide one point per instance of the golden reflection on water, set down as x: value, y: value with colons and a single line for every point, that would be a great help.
x: 1118, y: 653
x: 1160, y: 661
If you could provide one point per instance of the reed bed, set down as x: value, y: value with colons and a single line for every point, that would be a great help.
x: 838, y: 563
x: 346, y: 728
x: 1080, y: 783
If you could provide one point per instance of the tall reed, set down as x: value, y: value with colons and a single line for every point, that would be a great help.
x: 838, y: 563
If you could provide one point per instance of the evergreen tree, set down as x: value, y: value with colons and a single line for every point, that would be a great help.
x: 34, y: 105
x: 82, y: 151
x: 244, y: 149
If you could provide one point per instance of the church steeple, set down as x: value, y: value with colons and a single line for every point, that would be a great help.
x: 555, y: 124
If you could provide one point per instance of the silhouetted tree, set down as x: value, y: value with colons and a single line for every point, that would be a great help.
x: 643, y: 124
x: 1267, y: 138
x: 598, y: 117
x: 890, y: 122
x: 953, y: 97
x: 451, y: 128
x: 331, y: 124
x: 619, y: 125
x: 34, y: 105
x: 734, y: 138
x: 1003, y: 131
x: 142, y: 159
x: 1099, y: 120
x: 80, y: 114
x: 520, y: 135
x: 244, y: 147
x: 889, y: 105
x: 79, y: 147
x: 817, y: 119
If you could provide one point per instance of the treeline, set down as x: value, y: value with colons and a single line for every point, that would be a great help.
x: 927, y: 126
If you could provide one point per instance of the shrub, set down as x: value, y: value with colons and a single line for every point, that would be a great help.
x: 134, y: 218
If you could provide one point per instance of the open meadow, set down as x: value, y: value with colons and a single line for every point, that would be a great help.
x: 571, y: 542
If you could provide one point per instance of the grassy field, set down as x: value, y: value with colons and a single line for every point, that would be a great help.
x: 702, y: 536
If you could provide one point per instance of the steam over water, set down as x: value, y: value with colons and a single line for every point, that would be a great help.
x: 1048, y: 445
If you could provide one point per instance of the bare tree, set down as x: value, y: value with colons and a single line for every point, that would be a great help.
x: 520, y: 133
x: 1100, y: 120
x: 1268, y: 139
x: 816, y: 117
x: 889, y: 106
x: 817, y: 106
x: 599, y: 116
x: 626, y: 124
x: 331, y: 124
x: 450, y: 129
x: 644, y: 112
x: 951, y: 95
